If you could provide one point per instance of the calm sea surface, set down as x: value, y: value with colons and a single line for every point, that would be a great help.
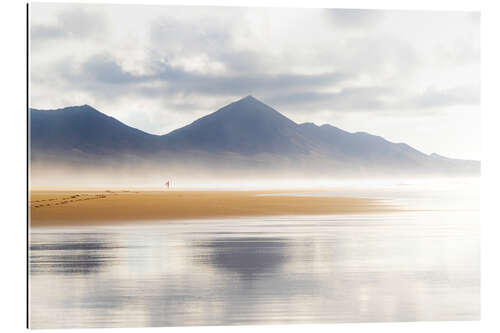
x: 420, y: 264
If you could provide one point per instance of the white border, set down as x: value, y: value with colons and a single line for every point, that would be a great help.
x: 13, y: 131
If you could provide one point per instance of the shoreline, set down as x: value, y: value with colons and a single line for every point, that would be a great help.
x: 59, y: 208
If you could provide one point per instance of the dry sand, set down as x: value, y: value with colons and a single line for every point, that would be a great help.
x: 68, y: 208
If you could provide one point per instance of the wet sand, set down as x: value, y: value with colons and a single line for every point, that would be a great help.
x: 71, y: 208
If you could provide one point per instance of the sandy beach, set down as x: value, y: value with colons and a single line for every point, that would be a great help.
x: 68, y: 208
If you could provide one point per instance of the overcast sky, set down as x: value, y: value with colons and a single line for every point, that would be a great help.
x: 409, y: 76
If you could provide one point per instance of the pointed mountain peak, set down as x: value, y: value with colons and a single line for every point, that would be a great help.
x: 249, y: 99
x: 250, y: 105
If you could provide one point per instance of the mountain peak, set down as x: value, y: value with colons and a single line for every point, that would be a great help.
x: 250, y: 100
x: 250, y: 108
x: 84, y: 107
x: 245, y: 126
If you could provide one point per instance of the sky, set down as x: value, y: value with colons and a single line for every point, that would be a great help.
x: 408, y: 76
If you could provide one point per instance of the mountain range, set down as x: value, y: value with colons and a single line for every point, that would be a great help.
x: 246, y: 135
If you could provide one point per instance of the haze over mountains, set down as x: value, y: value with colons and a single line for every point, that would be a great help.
x: 244, y: 137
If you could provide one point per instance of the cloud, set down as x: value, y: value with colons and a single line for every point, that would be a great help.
x: 243, y: 84
x: 380, y: 99
x: 105, y: 77
x: 353, y: 18
x: 77, y: 23
x: 214, y: 38
x: 44, y: 32
x: 362, y: 98
x: 206, y: 36
x: 460, y: 95
x: 102, y: 74
x: 103, y: 69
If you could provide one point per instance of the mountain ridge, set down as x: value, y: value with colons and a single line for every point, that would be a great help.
x: 242, y: 134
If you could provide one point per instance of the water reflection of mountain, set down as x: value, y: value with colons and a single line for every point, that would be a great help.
x: 83, y: 256
x: 248, y: 257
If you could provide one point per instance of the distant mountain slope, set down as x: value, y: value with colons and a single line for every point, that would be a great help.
x: 84, y: 129
x: 243, y: 134
x: 250, y: 127
x: 359, y: 145
x: 247, y: 126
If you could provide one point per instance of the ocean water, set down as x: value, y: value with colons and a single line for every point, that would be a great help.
x: 419, y: 264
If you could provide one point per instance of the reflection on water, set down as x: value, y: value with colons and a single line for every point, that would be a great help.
x: 249, y: 257
x: 73, y: 254
x: 416, y: 265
